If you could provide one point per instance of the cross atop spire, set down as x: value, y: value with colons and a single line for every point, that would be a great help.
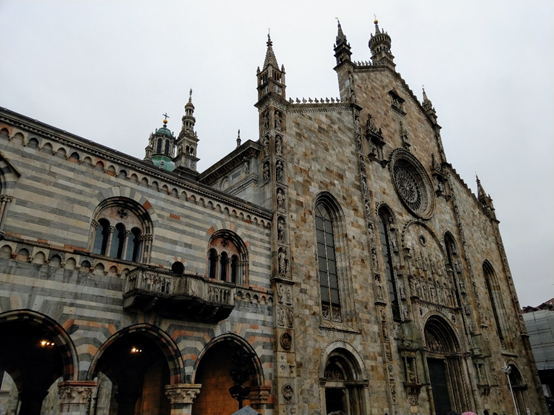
x: 270, y: 58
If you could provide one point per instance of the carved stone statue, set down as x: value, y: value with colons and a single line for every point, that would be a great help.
x: 281, y: 229
x: 279, y: 145
x: 283, y: 261
x: 279, y: 173
x: 281, y: 199
x: 266, y: 172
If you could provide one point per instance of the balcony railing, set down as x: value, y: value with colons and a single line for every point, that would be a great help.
x: 178, y: 296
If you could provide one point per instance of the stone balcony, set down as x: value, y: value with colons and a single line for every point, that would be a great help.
x: 189, y: 297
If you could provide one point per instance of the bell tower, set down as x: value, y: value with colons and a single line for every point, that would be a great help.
x: 187, y: 142
x: 272, y: 107
x: 271, y: 79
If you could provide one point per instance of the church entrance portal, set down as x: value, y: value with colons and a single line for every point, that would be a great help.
x: 446, y: 368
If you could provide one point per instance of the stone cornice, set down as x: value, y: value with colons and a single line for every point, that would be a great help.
x: 25, y: 123
x: 321, y: 107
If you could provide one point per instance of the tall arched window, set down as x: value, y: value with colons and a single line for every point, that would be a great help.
x: 133, y: 245
x: 385, y: 239
x: 327, y: 263
x: 101, y: 237
x: 212, y: 263
x: 111, y: 237
x: 159, y: 146
x: 223, y: 264
x: 234, y: 268
x: 228, y: 258
x: 167, y: 147
x: 118, y: 239
x: 495, y: 297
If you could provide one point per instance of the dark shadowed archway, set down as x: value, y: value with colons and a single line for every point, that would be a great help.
x: 34, y: 351
x: 138, y: 363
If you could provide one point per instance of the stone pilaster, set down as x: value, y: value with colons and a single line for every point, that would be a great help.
x: 181, y: 397
x: 75, y: 397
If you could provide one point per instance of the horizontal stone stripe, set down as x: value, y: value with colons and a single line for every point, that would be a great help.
x: 18, y: 283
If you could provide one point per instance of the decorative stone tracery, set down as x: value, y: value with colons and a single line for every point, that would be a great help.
x: 412, y: 183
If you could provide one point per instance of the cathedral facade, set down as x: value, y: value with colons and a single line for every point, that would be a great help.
x: 337, y: 265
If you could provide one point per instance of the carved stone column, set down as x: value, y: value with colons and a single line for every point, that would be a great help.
x: 75, y: 397
x: 181, y: 397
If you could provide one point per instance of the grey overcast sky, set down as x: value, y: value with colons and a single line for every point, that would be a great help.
x: 107, y: 70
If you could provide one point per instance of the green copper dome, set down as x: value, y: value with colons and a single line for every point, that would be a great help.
x: 164, y: 131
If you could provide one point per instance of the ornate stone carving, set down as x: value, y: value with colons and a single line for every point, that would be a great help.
x: 412, y: 183
x: 281, y: 199
x: 281, y: 225
x: 288, y: 393
x: 75, y: 393
x: 279, y: 171
x: 286, y: 341
x: 266, y: 172
x: 182, y: 392
x: 279, y: 145
x: 282, y: 261
x: 281, y: 315
x: 278, y: 120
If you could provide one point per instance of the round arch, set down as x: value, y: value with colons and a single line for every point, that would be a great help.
x: 438, y: 329
x: 348, y: 352
x: 232, y: 237
x: 159, y: 337
x: 240, y: 342
x: 343, y: 383
x: 58, y: 335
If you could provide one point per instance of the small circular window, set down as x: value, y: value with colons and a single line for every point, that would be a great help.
x: 412, y: 183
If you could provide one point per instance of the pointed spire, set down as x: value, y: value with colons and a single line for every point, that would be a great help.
x: 481, y: 194
x: 427, y: 104
x: 238, y: 139
x: 342, y: 48
x: 341, y: 38
x: 189, y: 104
x: 485, y: 200
x: 270, y: 58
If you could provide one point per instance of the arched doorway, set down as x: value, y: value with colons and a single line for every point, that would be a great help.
x: 213, y: 372
x: 132, y: 369
x: 35, y: 351
x: 445, y: 367
x: 343, y: 384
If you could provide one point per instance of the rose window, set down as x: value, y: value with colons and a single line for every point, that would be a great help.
x: 412, y: 183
